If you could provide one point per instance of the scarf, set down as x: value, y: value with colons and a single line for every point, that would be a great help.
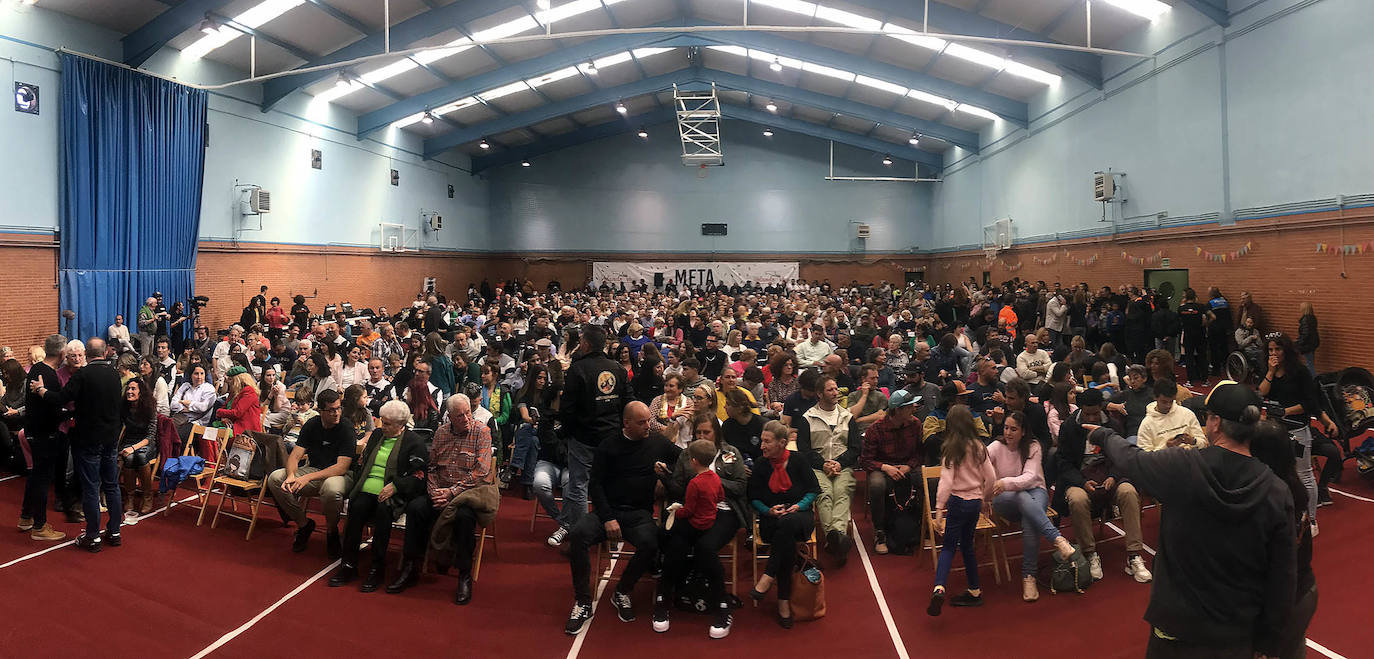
x: 779, y: 481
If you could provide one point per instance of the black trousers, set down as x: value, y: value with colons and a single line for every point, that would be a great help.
x: 784, y: 534
x: 1331, y: 468
x: 49, y: 455
x: 689, y: 547
x: 1195, y: 359
x: 365, y: 510
x: 636, y: 526
x: 420, y: 517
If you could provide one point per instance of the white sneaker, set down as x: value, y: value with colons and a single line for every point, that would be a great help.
x: 1095, y: 566
x: 556, y: 540
x: 1314, y: 529
x: 1135, y: 566
x: 130, y: 518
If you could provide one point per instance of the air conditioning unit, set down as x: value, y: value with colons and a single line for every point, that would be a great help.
x: 436, y: 222
x: 863, y: 231
x: 259, y: 201
x: 1104, y: 187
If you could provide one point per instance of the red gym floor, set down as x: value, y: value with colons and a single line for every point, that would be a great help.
x: 175, y: 590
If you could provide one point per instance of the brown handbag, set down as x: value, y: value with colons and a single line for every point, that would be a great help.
x: 808, y: 589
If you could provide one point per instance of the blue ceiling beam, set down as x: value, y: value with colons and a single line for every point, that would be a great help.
x: 1084, y: 66
x: 441, y: 143
x: 843, y: 106
x: 409, y: 31
x: 522, y: 70
x: 340, y: 16
x: 570, y: 139
x: 932, y: 160
x: 142, y: 43
x: 1213, y: 9
x: 1012, y: 110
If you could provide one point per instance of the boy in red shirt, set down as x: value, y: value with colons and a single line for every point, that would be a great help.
x: 690, y: 521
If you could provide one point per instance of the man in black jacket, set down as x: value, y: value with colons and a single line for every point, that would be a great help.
x: 96, y: 391
x: 595, y: 392
x: 625, y: 471
x: 1228, y: 547
x: 45, y: 443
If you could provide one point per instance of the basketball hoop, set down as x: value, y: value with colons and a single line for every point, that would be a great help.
x: 989, y: 253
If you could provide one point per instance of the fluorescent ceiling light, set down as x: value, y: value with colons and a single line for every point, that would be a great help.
x: 828, y: 71
x: 881, y: 84
x: 1150, y: 9
x: 975, y: 111
x: 887, y: 160
x: 449, y: 49
x: 552, y: 77
x: 524, y: 163
x: 976, y: 56
x: 794, y: 6
x: 771, y: 107
x: 644, y: 134
x: 641, y: 53
x: 612, y: 60
x: 914, y: 141
x: 848, y: 19
x: 427, y: 119
x: 567, y: 10
x: 484, y: 145
x: 910, y: 36
x: 254, y: 17
x: 620, y: 107
x: 768, y: 132
x: 507, y: 29
x: 504, y: 90
x: 391, y: 70
x: 730, y: 50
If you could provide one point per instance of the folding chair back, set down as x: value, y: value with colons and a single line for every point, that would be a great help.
x: 230, y: 486
x: 985, y: 527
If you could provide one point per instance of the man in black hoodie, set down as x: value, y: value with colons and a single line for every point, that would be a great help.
x: 625, y: 471
x: 96, y: 391
x: 595, y: 392
x: 1227, y: 558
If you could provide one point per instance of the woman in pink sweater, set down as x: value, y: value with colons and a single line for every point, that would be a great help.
x: 1019, y: 493
x: 966, y: 480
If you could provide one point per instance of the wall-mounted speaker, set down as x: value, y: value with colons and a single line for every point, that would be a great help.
x: 395, y: 177
x: 316, y: 159
x: 450, y: 191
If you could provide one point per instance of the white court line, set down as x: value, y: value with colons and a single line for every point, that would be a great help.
x: 1114, y: 527
x: 1323, y: 649
x: 264, y: 613
x: 600, y: 588
x: 1352, y: 496
x: 9, y: 478
x: 68, y: 543
x: 878, y: 594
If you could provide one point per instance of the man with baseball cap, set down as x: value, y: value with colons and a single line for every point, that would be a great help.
x: 1228, y: 543
x: 891, y: 451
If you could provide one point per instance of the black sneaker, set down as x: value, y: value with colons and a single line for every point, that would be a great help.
x: 88, y: 543
x: 937, y: 601
x: 623, y: 606
x: 1323, y: 496
x: 303, y: 536
x: 111, y: 539
x: 720, y: 628
x: 661, y: 621
x: 966, y: 599
x: 577, y: 621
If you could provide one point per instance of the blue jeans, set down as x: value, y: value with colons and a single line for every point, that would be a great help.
x: 961, y: 519
x: 1029, y: 507
x: 98, y: 468
x: 546, y: 474
x: 526, y: 452
x: 579, y: 475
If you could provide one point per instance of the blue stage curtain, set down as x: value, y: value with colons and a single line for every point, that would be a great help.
x: 133, y: 162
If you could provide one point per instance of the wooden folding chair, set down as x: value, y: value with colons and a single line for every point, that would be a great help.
x: 212, y: 438
x: 985, y: 527
x: 539, y: 511
x: 229, y: 484
x: 1004, y: 530
x: 484, y: 532
x: 761, y: 552
x: 730, y: 552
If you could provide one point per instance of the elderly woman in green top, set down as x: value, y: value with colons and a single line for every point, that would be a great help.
x: 389, y: 473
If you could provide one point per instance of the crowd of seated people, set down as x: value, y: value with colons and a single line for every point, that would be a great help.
x: 725, y: 407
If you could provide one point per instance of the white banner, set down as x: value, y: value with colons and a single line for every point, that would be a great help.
x: 694, y: 274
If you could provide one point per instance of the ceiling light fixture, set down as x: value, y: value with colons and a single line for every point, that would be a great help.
x: 524, y: 163
x: 620, y: 107
x: 427, y: 119
x: 915, y: 139
x: 344, y: 80
x: 772, y: 107
x: 484, y: 145
x: 776, y: 65
x: 768, y: 132
x: 590, y: 68
x: 207, y: 25
x: 887, y: 160
x: 643, y: 134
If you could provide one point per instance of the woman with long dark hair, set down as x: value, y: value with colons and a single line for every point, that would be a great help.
x: 151, y: 372
x: 535, y: 405
x: 138, y: 445
x: 355, y: 412
x: 1272, y: 446
x: 441, y: 367
x: 1288, y: 382
x: 276, y: 408
x: 1020, y: 493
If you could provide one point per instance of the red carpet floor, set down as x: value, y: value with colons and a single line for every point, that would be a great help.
x: 175, y: 590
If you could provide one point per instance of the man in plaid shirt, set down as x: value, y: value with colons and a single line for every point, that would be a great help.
x: 459, y: 459
x: 891, y: 452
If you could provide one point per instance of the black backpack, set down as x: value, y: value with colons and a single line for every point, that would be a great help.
x: 1071, y: 575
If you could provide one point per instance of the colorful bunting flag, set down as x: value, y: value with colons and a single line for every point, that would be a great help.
x: 1224, y: 257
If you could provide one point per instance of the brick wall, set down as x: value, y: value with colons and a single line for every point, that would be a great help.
x: 30, y: 291
x: 1281, y: 271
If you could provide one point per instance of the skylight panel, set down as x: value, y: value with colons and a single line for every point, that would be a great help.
x: 568, y: 10
x: 847, y: 19
x: 1150, y: 9
x: 730, y: 50
x: 910, y: 36
x: 881, y: 84
x: 975, y: 111
x: 612, y: 60
x: 552, y: 77
x: 976, y: 56
x: 507, y: 29
x: 641, y: 53
x: 932, y: 99
x: 450, y: 49
x: 254, y: 17
x: 504, y: 90
x: 794, y: 6
x: 1031, y: 73
x: 828, y: 71
x: 390, y: 70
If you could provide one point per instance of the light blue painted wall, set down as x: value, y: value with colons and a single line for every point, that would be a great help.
x: 343, y: 203
x: 627, y: 194
x: 1284, y: 94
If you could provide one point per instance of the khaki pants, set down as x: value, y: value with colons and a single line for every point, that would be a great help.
x: 833, y: 504
x: 1080, y: 514
x: 330, y: 490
